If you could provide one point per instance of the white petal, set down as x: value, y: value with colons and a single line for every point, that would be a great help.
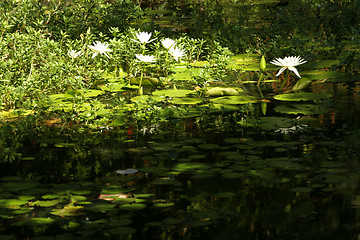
x: 295, y: 71
x: 281, y: 70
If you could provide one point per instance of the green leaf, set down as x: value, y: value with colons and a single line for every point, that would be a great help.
x: 302, y: 96
x: 241, y: 99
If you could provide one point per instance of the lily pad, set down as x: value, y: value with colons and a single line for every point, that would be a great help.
x: 302, y: 96
x: 133, y: 206
x: 273, y: 123
x: 190, y: 166
x: 172, y: 93
x: 219, y: 91
x: 127, y: 171
x: 185, y: 100
x: 306, y: 109
x: 91, y: 92
x: 240, y: 99
x: 163, y: 205
x: 146, y: 98
x: 147, y: 81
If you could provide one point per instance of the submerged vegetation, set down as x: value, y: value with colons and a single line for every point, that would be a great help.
x: 122, y: 119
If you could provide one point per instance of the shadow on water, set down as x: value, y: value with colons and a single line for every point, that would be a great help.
x: 185, y: 183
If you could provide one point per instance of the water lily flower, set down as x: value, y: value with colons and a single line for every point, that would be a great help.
x: 167, y: 43
x: 100, y: 48
x: 75, y: 54
x: 176, y: 52
x: 143, y: 37
x: 145, y: 58
x: 288, y: 63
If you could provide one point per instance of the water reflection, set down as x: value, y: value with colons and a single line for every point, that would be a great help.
x: 239, y: 184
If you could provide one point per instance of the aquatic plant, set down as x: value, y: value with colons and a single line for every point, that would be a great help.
x: 289, y: 64
x: 100, y: 48
x: 262, y: 67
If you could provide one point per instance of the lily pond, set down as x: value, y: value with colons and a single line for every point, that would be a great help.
x: 291, y: 172
x: 167, y: 120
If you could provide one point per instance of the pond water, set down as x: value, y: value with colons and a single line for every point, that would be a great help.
x: 280, y: 182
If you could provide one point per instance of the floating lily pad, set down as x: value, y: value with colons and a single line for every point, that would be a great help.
x: 241, y: 99
x: 302, y: 84
x: 12, y: 203
x: 60, y: 97
x: 302, y: 96
x: 61, y: 145
x: 146, y: 81
x: 127, y: 171
x: 36, y: 222
x: 320, y: 74
x: 91, y: 92
x: 185, y: 100
x: 128, y: 200
x: 133, y: 206
x: 190, y: 166
x: 183, y: 73
x: 67, y: 211
x: 223, y: 108
x: 147, y: 98
x: 163, y: 205
x: 172, y: 93
x: 219, y: 91
x: 306, y: 109
x: 273, y: 123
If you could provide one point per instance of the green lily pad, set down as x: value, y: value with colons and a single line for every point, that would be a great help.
x: 133, y: 206
x: 12, y: 203
x: 184, y: 74
x: 60, y: 97
x: 240, y: 99
x: 190, y: 166
x: 68, y: 210
x: 306, y: 109
x: 147, y: 98
x: 49, y: 203
x: 163, y: 205
x: 219, y: 91
x: 147, y: 81
x: 172, y: 93
x: 302, y: 84
x: 302, y: 96
x: 185, y: 101
x: 320, y: 74
x: 115, y: 87
x: 91, y: 92
x: 273, y: 123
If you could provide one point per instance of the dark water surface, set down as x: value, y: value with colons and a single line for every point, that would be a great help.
x: 238, y: 183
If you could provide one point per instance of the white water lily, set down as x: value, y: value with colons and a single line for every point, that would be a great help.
x: 288, y: 63
x: 145, y: 58
x: 176, y: 53
x: 143, y: 37
x: 100, y: 48
x: 75, y: 54
x: 168, y: 43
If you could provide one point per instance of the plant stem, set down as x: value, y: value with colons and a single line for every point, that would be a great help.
x: 141, y: 78
x: 284, y: 81
x: 261, y: 76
